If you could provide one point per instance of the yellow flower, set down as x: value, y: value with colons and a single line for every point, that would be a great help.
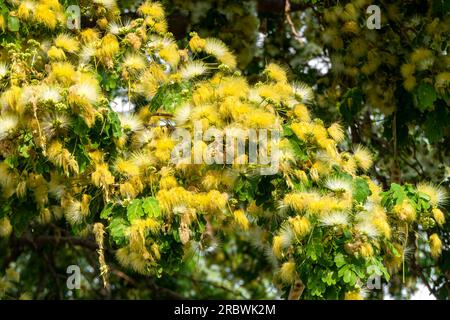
x: 276, y: 72
x: 383, y: 226
x: 63, y: 71
x: 168, y: 182
x: 353, y: 295
x: 193, y: 69
x: 366, y: 250
x: 302, y: 112
x: 61, y: 157
x: 8, y: 124
x: 301, y: 175
x: 405, y: 211
x: 363, y: 158
x: 109, y: 46
x: 287, y: 272
x: 72, y: 210
x: 409, y: 83
x: 102, y: 177
x: 5, y: 227
x: 300, y: 225
x: 241, y: 219
x: 202, y: 94
x: 300, y: 201
x: 394, y: 260
x: 277, y: 246
x: 435, y: 245
x: 221, y: 52
x: 438, y: 216
x: 161, y: 27
x: 89, y: 35
x: 25, y: 9
x: 56, y: 54
x: 350, y: 27
x: 314, y: 173
x: 12, y: 99
x: 126, y: 167
x: 442, y: 82
x: 420, y: 55
x: 302, y: 130
x: 211, y: 180
x: 170, y: 54
x: 348, y: 163
x: 85, y: 201
x: 336, y: 132
x: 178, y: 196
x: 196, y: 43
x: 232, y: 86
x: 437, y: 194
x: 45, y: 15
x: 407, y: 70
x: 67, y: 43
x: 152, y: 9
x: 134, y: 63
x: 260, y: 119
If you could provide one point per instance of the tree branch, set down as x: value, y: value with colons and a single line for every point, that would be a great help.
x: 296, y: 290
x: 40, y: 241
x: 287, y: 14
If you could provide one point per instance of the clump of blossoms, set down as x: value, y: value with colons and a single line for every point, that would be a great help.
x: 68, y: 158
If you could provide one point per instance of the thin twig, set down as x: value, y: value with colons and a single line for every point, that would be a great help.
x: 287, y: 14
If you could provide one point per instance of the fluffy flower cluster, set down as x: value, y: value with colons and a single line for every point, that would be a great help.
x: 62, y: 145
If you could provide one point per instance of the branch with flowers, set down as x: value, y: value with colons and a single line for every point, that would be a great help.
x: 320, y: 223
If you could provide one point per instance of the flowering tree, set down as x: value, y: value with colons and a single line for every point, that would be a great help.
x: 380, y: 67
x: 83, y: 184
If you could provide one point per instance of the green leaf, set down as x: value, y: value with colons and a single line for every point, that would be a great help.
x: 423, y: 205
x: 359, y: 271
x: 114, y: 122
x: 423, y: 196
x: 170, y: 96
x: 287, y: 131
x: 134, y: 210
x: 374, y: 269
x: 299, y: 148
x: 343, y: 270
x: 151, y: 207
x: 81, y: 129
x: 107, y: 211
x: 395, y: 195
x: 23, y: 151
x: 347, y: 275
x: 13, y: 24
x: 315, y: 285
x: 360, y: 190
x: 117, y: 229
x: 426, y: 96
x: 314, y: 250
x: 386, y: 274
x: 328, y: 278
x: 82, y: 157
x: 5, y: 210
x: 339, y: 260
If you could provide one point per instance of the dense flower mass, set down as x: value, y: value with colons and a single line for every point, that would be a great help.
x: 67, y: 158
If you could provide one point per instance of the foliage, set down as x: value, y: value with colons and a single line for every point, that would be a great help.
x: 331, y: 47
x: 72, y: 167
